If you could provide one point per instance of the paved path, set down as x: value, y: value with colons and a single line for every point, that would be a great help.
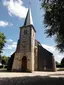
x: 20, y: 74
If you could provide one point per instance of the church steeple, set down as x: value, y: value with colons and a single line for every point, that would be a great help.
x: 28, y: 19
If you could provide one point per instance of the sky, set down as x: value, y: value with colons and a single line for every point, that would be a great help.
x: 12, y: 16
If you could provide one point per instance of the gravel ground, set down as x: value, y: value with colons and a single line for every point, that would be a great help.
x: 36, y: 73
x: 36, y: 80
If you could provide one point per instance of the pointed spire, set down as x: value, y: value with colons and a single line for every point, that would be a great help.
x: 28, y: 19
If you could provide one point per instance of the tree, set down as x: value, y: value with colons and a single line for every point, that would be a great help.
x: 2, y: 41
x: 57, y: 63
x: 54, y: 20
x: 4, y: 60
x: 62, y: 62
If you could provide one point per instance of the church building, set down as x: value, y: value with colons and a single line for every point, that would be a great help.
x: 30, y: 55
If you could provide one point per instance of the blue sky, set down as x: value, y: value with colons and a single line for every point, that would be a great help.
x: 12, y: 16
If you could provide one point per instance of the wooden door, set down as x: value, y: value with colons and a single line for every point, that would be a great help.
x: 24, y: 63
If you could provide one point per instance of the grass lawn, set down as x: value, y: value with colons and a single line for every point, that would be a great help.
x: 3, y: 69
x: 60, y: 69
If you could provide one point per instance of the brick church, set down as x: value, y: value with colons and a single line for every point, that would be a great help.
x: 30, y: 55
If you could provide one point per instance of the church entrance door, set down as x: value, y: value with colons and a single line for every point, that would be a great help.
x: 24, y: 64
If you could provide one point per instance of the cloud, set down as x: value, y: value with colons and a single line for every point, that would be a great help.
x: 49, y: 48
x: 10, y: 45
x: 9, y: 48
x: 3, y: 23
x: 10, y: 24
x: 9, y: 40
x: 15, y: 7
x: 58, y: 56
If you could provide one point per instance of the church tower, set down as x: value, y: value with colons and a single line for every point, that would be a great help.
x: 24, y: 55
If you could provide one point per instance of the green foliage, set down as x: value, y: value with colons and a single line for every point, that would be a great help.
x: 4, y: 60
x: 54, y: 20
x: 2, y: 41
x: 62, y: 62
x: 57, y: 63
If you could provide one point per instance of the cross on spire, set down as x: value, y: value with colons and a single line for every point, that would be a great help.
x: 29, y: 3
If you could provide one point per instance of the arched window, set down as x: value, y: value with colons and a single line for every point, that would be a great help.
x: 44, y: 64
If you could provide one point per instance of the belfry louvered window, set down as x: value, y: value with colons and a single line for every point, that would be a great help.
x: 25, y: 32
